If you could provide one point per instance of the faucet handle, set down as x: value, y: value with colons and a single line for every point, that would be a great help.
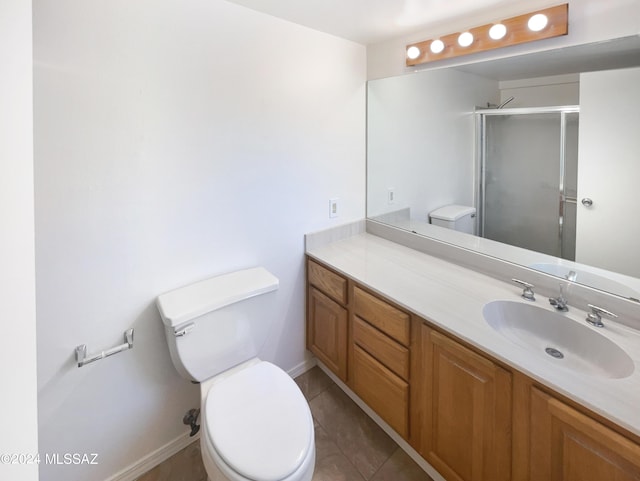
x: 595, y: 316
x: 527, y: 292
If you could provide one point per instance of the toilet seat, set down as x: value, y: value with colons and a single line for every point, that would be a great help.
x: 259, y: 423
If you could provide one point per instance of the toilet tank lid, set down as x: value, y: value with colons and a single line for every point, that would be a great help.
x: 452, y: 212
x: 186, y: 303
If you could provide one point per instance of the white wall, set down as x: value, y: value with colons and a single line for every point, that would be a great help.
x: 18, y: 404
x: 541, y: 91
x: 589, y: 21
x: 173, y: 141
x: 421, y: 139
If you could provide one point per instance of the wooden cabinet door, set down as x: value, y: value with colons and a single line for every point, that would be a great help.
x: 466, y: 422
x: 327, y: 332
x: 567, y: 445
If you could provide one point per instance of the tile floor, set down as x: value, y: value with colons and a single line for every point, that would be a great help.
x: 349, y: 445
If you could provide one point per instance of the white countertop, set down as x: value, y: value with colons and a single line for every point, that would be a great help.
x: 452, y: 297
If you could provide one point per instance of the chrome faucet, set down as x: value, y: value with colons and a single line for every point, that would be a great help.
x: 560, y: 302
x: 527, y: 289
x: 595, y: 316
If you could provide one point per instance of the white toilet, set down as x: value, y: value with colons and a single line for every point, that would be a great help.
x: 256, y: 424
x: 456, y: 217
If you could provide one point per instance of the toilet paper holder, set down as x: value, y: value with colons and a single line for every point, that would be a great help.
x: 81, y: 350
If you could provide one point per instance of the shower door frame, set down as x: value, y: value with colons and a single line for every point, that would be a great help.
x: 481, y: 155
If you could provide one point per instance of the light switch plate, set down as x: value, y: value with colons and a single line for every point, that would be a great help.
x: 334, y: 207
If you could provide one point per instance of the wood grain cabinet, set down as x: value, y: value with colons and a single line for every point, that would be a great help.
x: 470, y: 417
x: 466, y: 418
x: 567, y: 445
x: 380, y: 358
x: 327, y: 317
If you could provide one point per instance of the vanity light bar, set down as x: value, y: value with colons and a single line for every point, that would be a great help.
x: 537, y: 25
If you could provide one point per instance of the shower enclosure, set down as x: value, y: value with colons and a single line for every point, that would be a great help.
x: 527, y: 165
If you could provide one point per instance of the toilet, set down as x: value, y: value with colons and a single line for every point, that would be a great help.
x: 456, y: 217
x: 256, y: 424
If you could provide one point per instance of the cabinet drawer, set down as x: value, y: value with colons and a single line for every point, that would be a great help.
x: 383, y: 391
x: 328, y: 282
x: 393, y: 322
x: 391, y: 354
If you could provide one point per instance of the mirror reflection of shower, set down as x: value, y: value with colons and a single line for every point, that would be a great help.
x: 501, y: 106
x: 527, y: 166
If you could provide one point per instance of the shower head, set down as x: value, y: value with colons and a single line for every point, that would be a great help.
x: 506, y: 102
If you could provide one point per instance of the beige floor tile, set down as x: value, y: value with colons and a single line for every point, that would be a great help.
x: 331, y: 464
x: 361, y: 440
x: 400, y: 467
x: 336, y: 468
x: 185, y: 465
x: 325, y: 446
x: 313, y: 382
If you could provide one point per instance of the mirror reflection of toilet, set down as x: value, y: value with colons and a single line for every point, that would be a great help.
x: 456, y: 217
x: 256, y: 423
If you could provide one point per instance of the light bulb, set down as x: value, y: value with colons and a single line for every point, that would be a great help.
x: 413, y: 52
x: 437, y: 46
x: 537, y: 22
x: 465, y: 39
x: 498, y: 31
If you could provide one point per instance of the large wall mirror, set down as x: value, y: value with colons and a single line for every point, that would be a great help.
x: 541, y: 151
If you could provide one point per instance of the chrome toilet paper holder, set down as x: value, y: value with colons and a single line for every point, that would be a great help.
x: 81, y: 350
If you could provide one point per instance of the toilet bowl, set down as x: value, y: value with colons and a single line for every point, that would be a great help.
x: 256, y: 424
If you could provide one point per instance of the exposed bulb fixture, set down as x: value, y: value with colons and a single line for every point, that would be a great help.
x: 537, y: 22
x: 497, y: 31
x: 465, y: 39
x: 413, y: 52
x: 532, y: 26
x: 436, y: 46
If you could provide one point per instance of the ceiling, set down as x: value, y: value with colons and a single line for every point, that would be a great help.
x: 371, y: 21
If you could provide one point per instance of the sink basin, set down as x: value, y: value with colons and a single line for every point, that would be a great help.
x: 558, y: 339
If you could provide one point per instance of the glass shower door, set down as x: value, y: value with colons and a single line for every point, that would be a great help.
x: 570, y: 206
x: 523, y: 189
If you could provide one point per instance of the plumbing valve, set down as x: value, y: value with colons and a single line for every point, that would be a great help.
x: 191, y: 420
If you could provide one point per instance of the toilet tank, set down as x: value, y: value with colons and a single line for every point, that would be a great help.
x: 218, y: 323
x: 456, y: 217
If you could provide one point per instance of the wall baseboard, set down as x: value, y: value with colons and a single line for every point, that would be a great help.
x: 303, y: 367
x: 151, y: 460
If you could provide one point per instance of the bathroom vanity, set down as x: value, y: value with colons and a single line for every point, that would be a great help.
x: 404, y: 332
